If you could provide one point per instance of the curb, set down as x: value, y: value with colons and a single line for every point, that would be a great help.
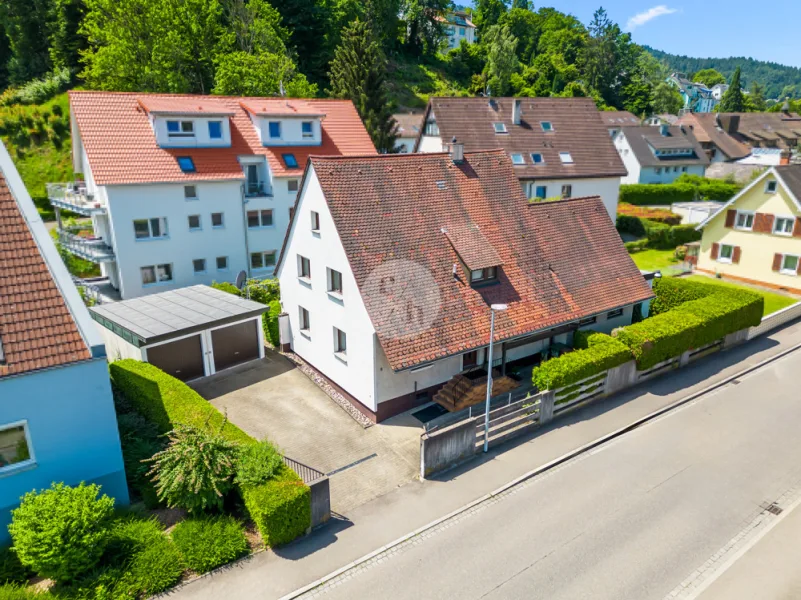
x: 542, y: 469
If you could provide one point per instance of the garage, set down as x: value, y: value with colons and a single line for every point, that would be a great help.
x: 189, y: 333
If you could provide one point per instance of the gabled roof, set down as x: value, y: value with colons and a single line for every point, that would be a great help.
x: 409, y: 124
x: 121, y: 145
x: 643, y: 139
x: 184, y: 106
x: 280, y: 107
x: 37, y: 328
x: 576, y: 128
x: 619, y: 118
x: 562, y: 261
x: 706, y: 130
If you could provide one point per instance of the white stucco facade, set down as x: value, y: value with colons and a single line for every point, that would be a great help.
x: 662, y: 174
x: 608, y: 188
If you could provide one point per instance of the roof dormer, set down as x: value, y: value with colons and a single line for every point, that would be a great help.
x: 185, y: 122
x: 285, y: 122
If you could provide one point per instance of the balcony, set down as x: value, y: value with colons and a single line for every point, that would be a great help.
x: 86, y: 246
x: 74, y: 197
x: 257, y: 189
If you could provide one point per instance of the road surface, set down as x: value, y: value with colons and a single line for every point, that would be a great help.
x: 652, y: 514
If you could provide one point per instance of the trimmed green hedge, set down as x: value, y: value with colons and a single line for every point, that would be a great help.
x: 271, y: 322
x: 665, y: 237
x: 644, y: 194
x: 599, y: 353
x: 672, y: 292
x: 659, y: 338
x: 209, y: 542
x: 167, y: 401
x: 281, y: 508
x: 636, y: 246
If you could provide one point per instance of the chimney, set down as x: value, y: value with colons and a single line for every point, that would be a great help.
x: 664, y: 129
x: 784, y: 157
x: 517, y: 111
x: 730, y: 123
x: 786, y: 106
x: 457, y: 151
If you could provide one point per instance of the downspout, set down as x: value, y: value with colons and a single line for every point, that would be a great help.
x: 245, y: 227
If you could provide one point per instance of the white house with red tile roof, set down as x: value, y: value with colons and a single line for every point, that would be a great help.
x: 391, y: 262
x: 185, y: 190
x: 57, y: 420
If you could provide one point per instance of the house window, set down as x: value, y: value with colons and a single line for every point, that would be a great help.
x: 726, y: 253
x: 190, y: 192
x: 150, y: 229
x: 499, y: 127
x: 481, y: 275
x: 186, y: 164
x: 567, y: 191
x: 658, y: 170
x: 194, y: 222
x: 547, y: 126
x: 222, y: 263
x: 15, y: 446
x: 199, y: 266
x: 334, y: 281
x: 517, y: 159
x: 461, y: 31
x: 262, y: 260
x: 305, y: 321
x: 154, y: 274
x: 745, y: 220
x: 771, y: 186
x: 587, y: 321
x: 789, y: 264
x: 469, y: 359
x: 255, y: 186
x: 304, y: 267
x: 217, y: 220
x: 783, y: 225
x: 340, y: 342
x: 684, y: 169
x: 541, y: 192
x: 180, y: 129
x: 292, y: 185
x: 315, y: 222
x: 614, y: 314
x: 290, y: 161
x: 537, y: 159
x: 306, y: 129
x: 431, y: 128
x: 566, y: 158
x: 260, y: 218
x: 215, y: 130
x: 275, y: 129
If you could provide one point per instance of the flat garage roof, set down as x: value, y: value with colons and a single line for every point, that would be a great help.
x: 167, y: 315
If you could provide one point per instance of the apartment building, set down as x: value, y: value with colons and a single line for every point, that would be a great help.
x: 659, y: 154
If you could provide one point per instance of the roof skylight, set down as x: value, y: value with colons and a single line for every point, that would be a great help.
x: 186, y: 164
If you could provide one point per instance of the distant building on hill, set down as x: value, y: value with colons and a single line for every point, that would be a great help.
x: 697, y: 97
x: 458, y: 27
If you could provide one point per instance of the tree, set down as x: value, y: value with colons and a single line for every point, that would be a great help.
x: 243, y: 74
x: 358, y: 73
x: 27, y: 24
x: 5, y: 56
x: 608, y: 60
x: 733, y: 100
x: 502, y: 61
x: 382, y: 15
x: 307, y: 21
x: 423, y: 31
x: 709, y: 77
x: 256, y: 26
x: 524, y: 4
x: 755, y: 101
x: 526, y: 26
x: 666, y: 99
x: 66, y: 43
x: 487, y: 13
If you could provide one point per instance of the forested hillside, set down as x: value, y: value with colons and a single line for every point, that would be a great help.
x: 779, y: 81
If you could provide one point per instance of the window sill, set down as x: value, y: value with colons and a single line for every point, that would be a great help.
x: 195, y: 230
x: 261, y: 227
x: 306, y: 333
x: 218, y: 226
x: 783, y: 233
x: 21, y: 467
x: 315, y: 232
x: 157, y: 283
x: 305, y: 280
x: 195, y: 199
x: 335, y: 295
x: 788, y: 272
x: 225, y: 270
x: 200, y: 273
x: 725, y: 261
x: 743, y: 228
x: 341, y: 356
x: 153, y: 239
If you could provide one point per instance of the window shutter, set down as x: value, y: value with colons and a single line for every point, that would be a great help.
x: 777, y: 262
x: 731, y: 215
x: 735, y: 255
x: 763, y: 223
x: 715, y: 250
x: 797, y: 228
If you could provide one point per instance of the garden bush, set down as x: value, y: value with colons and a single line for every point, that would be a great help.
x: 630, y: 224
x: 602, y: 352
x: 675, y: 291
x: 660, y: 215
x: 38, y: 91
x: 166, y: 401
x: 209, y: 542
x: 271, y: 323
x: 636, y: 246
x: 11, y: 569
x: 280, y: 508
x: 61, y: 532
x: 651, y: 194
x: 257, y: 463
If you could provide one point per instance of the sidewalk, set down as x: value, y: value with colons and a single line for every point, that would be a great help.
x: 370, y: 526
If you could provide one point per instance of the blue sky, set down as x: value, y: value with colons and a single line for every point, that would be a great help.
x: 704, y: 28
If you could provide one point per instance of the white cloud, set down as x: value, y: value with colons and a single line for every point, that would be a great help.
x: 648, y: 15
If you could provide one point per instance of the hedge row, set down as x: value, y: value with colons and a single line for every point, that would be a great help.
x: 650, y: 194
x: 281, y: 508
x: 672, y: 292
x: 598, y: 353
x: 271, y: 322
x: 657, y: 235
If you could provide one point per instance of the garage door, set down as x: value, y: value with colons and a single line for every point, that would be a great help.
x: 235, y: 344
x: 182, y: 359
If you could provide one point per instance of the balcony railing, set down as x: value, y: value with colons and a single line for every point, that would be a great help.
x: 89, y: 248
x: 74, y: 197
x: 256, y: 189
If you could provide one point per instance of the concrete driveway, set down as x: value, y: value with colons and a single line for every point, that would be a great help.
x: 272, y: 399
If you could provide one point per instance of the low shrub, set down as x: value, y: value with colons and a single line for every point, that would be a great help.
x: 209, y: 542
x: 195, y: 470
x: 651, y: 194
x: 257, y: 463
x: 271, y: 323
x: 38, y: 91
x: 11, y: 569
x: 60, y: 532
x: 636, y: 246
x: 665, y: 237
x: 601, y: 353
x: 166, y: 401
x: 224, y: 286
x: 280, y: 508
x: 659, y: 215
x: 630, y: 224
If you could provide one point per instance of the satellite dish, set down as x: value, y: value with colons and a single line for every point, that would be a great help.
x: 241, y: 278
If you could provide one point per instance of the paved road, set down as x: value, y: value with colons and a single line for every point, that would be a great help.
x: 632, y: 520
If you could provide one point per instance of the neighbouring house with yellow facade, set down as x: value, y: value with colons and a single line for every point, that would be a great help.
x: 756, y: 236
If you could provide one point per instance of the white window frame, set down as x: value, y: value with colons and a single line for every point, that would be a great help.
x: 280, y: 130
x: 217, y: 263
x: 222, y: 131
x: 614, y: 314
x: 181, y: 133
x: 534, y: 161
x: 23, y: 464
x: 499, y: 127
x: 778, y: 218
x: 150, y: 237
x: 566, y: 158
x: 310, y: 134
x: 567, y: 190
x: 518, y: 159
x: 194, y: 266
x: 199, y: 223
x: 746, y: 214
x: 723, y: 259
x: 340, y: 351
x: 544, y: 189
x: 194, y: 196
x: 222, y: 220
x: 315, y: 221
x: 263, y: 258
x: 260, y: 216
x: 304, y: 276
x: 156, y: 274
x: 771, y: 183
x: 793, y: 272
x: 549, y: 128
x: 330, y: 282
x: 304, y: 315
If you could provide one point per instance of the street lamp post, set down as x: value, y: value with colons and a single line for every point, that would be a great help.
x: 493, y: 308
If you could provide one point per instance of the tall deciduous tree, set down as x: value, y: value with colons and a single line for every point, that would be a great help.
x: 733, y: 100
x: 608, y: 60
x: 666, y: 99
x: 756, y: 99
x: 708, y: 77
x: 264, y: 74
x: 487, y: 13
x: 307, y: 22
x: 358, y: 73
x: 27, y: 24
x: 256, y: 25
x: 502, y: 60
x: 423, y: 31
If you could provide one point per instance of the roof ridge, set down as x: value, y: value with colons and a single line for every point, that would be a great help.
x: 207, y: 96
x: 395, y: 156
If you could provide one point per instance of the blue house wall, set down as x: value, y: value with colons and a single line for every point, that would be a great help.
x: 73, y: 432
x: 669, y: 174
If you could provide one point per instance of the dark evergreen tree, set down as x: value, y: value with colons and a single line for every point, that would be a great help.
x: 5, y: 56
x: 488, y: 12
x: 423, y: 31
x: 733, y: 100
x: 608, y: 60
x: 307, y: 22
x: 28, y: 24
x: 756, y: 99
x: 358, y: 73
x: 66, y: 43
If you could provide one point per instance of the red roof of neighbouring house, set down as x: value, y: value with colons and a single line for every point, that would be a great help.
x: 121, y: 145
x: 182, y: 105
x: 37, y: 329
x: 561, y: 261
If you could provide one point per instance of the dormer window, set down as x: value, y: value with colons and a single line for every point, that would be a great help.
x: 186, y: 164
x: 215, y: 130
x: 180, y: 129
x: 275, y: 130
x: 499, y: 127
x: 307, y: 129
x: 290, y: 161
x: 484, y: 275
x: 547, y: 126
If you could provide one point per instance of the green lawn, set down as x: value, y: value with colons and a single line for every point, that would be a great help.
x: 653, y: 260
x: 773, y: 302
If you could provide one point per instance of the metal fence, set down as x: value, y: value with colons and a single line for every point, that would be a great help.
x: 307, y: 474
